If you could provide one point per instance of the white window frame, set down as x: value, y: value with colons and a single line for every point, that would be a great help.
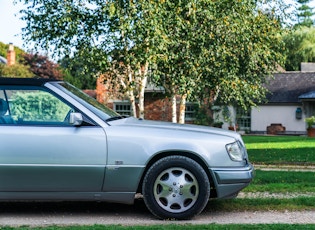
x: 243, y: 119
x: 123, y: 111
x: 191, y: 113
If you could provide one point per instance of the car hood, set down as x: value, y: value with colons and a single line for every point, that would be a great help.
x: 131, y: 121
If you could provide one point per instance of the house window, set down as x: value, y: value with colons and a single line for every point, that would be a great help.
x: 243, y: 118
x: 190, y: 112
x: 311, y: 109
x: 123, y: 108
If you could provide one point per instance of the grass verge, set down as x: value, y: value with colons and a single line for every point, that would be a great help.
x: 282, y: 182
x: 263, y: 204
x: 292, y: 150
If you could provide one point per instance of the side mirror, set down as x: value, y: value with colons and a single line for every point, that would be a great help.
x: 76, y: 119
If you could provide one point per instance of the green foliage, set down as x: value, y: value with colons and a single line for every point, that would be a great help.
x: 202, y: 117
x: 223, y: 49
x: 310, y: 121
x: 305, y: 14
x: 115, y: 38
x: 37, y: 106
x: 16, y: 70
x: 300, y: 47
x: 193, y: 48
x: 247, y: 50
x: 76, y: 73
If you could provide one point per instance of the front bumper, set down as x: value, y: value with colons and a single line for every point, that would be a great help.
x: 229, y: 181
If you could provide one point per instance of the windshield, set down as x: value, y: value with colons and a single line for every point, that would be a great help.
x: 96, y: 107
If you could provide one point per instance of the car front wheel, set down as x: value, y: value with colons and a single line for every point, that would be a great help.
x: 176, y: 187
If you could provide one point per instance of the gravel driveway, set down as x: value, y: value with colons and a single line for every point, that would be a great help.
x: 89, y: 213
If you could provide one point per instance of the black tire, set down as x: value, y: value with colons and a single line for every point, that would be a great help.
x: 176, y: 187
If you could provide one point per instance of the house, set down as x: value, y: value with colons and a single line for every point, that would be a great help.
x: 290, y: 101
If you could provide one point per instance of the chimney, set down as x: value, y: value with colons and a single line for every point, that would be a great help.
x: 11, y: 55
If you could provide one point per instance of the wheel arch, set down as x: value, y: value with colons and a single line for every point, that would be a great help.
x: 187, y: 154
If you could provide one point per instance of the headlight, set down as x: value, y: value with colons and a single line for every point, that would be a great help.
x: 235, y: 151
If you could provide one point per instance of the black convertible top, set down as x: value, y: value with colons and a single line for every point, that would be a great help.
x: 25, y: 81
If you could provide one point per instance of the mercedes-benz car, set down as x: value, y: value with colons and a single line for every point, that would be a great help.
x: 59, y: 144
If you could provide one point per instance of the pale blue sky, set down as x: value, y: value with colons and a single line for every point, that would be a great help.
x: 10, y: 25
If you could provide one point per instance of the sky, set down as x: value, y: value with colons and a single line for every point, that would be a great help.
x: 11, y: 25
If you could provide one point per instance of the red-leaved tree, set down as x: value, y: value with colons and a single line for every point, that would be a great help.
x: 42, y: 67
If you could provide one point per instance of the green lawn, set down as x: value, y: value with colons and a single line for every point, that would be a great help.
x: 282, y: 182
x: 292, y: 150
x: 262, y: 204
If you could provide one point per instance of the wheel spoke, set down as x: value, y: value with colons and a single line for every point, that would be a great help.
x: 162, y: 189
x: 190, y: 190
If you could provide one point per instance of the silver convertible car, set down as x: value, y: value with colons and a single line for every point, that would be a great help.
x: 57, y: 143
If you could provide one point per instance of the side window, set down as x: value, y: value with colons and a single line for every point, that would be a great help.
x: 36, y: 106
x: 2, y: 96
x: 4, y: 109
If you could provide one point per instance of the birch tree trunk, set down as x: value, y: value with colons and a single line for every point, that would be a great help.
x: 174, y: 109
x: 130, y: 93
x: 182, y: 107
x: 142, y: 83
x: 132, y: 99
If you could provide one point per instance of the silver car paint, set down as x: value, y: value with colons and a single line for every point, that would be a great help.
x: 144, y: 139
x: 52, y: 158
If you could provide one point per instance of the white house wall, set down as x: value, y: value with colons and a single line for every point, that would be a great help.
x: 265, y: 115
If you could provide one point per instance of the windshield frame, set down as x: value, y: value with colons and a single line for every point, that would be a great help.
x: 87, y: 101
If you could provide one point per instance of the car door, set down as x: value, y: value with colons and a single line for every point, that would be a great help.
x: 40, y: 151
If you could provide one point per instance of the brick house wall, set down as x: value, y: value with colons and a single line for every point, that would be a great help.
x: 157, y: 105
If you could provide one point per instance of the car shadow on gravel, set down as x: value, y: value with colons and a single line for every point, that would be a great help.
x: 136, y: 211
x: 74, y: 208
